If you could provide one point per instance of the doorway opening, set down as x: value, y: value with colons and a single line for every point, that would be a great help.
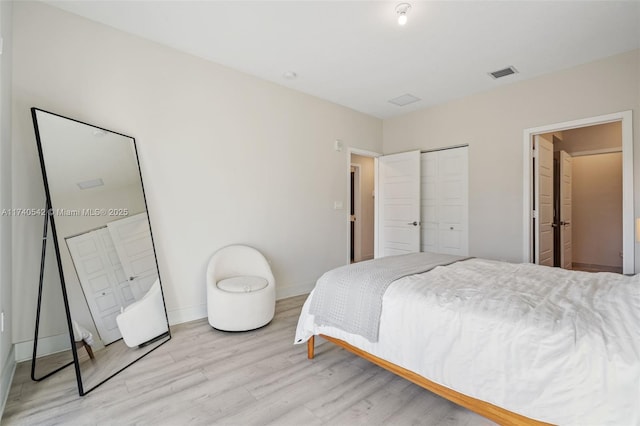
x: 586, y: 219
x: 579, y: 195
x: 362, y: 187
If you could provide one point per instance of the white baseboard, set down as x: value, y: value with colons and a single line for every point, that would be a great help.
x: 46, y: 346
x: 297, y: 290
x: 191, y: 313
x: 8, y: 371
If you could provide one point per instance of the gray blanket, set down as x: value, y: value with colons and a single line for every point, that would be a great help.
x: 350, y: 297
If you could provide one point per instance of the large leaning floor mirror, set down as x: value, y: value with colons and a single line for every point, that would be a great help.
x: 100, y: 304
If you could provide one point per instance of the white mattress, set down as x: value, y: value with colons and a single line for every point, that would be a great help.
x: 553, y: 345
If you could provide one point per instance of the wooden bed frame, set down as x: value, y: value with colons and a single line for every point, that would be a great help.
x: 485, y: 409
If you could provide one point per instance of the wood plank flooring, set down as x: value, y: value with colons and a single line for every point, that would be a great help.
x: 203, y: 376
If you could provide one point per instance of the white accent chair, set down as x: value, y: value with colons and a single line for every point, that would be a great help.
x: 241, y: 290
x: 143, y: 320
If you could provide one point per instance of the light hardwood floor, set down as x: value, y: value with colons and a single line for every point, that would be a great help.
x: 204, y: 376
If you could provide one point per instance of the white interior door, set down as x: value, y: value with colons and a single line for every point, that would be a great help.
x: 398, y: 204
x: 566, y: 260
x: 132, y: 240
x: 114, y: 263
x: 429, y: 196
x: 543, y: 178
x: 103, y: 281
x: 444, y: 201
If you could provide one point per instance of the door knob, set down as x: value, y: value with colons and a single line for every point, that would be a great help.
x: 414, y: 223
x: 132, y: 278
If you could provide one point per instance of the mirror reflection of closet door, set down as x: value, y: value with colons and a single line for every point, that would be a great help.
x: 103, y: 280
x: 132, y: 241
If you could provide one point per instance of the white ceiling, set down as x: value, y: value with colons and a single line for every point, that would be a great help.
x: 355, y: 54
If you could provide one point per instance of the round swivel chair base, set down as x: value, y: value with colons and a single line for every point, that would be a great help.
x: 241, y: 331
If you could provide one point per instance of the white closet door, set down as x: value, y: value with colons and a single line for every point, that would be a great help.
x: 98, y: 273
x: 114, y: 262
x: 132, y: 240
x: 445, y: 201
x: 429, y: 212
x: 399, y: 203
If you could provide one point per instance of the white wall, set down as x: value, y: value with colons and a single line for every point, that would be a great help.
x: 7, y: 362
x: 597, y: 210
x: 492, y: 123
x: 225, y: 157
x: 591, y: 138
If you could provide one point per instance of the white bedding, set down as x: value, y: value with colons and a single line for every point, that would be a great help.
x: 553, y: 345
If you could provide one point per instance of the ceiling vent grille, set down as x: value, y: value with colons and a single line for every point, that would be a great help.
x: 405, y: 99
x: 503, y: 72
x: 88, y: 184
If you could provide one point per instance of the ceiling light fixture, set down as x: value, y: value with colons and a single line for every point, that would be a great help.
x: 401, y: 10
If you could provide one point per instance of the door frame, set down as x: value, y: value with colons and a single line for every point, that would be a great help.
x: 626, y: 119
x: 374, y: 155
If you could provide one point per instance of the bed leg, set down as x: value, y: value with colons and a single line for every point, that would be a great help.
x: 310, y: 347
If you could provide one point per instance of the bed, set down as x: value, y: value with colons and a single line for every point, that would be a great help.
x: 516, y: 343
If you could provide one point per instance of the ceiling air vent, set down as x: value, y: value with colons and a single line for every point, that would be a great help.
x: 503, y: 72
x: 88, y: 184
x: 404, y: 100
